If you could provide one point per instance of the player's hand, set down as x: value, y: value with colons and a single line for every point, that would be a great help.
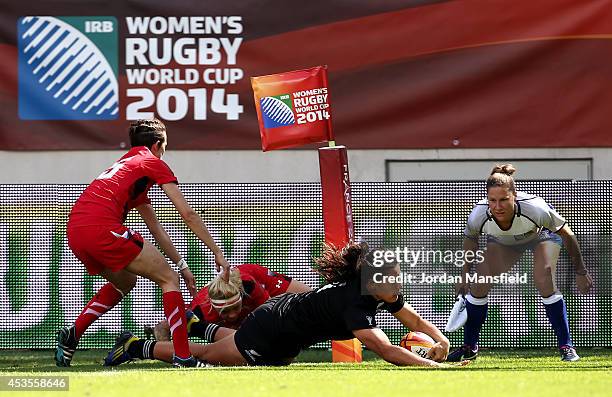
x: 438, y: 352
x: 462, y: 288
x: 584, y: 282
x: 222, y: 265
x: 189, y: 281
x: 455, y: 365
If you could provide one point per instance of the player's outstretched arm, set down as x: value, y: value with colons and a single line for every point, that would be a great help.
x: 195, y: 223
x: 414, y: 322
x: 377, y: 341
x: 570, y: 242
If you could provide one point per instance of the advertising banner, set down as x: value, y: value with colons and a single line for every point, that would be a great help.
x: 404, y: 74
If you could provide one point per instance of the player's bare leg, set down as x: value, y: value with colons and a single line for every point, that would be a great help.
x: 129, y: 347
x: 195, y: 327
x: 160, y: 331
x: 150, y: 263
x: 223, y: 352
x: 297, y: 286
x: 545, y: 257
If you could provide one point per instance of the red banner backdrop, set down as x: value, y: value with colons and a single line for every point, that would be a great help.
x: 407, y: 74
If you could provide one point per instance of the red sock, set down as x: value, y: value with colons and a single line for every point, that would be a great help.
x: 103, y: 301
x: 174, y: 309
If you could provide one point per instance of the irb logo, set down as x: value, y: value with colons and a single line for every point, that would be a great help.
x: 68, y: 68
x: 99, y: 27
x: 277, y: 111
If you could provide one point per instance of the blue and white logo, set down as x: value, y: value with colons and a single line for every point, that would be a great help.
x: 68, y: 68
x: 277, y: 111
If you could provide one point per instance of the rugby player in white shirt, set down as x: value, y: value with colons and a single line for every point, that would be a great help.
x: 513, y: 223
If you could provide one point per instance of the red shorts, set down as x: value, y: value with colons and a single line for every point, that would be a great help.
x: 104, y: 247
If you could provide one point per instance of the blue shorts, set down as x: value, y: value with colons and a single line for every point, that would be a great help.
x: 544, y: 235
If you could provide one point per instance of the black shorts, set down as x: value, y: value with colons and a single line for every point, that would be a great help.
x: 261, y: 342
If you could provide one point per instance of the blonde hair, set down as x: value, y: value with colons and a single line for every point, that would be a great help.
x: 220, y: 289
x: 501, y: 175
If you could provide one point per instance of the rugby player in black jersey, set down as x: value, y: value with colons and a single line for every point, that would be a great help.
x: 276, y: 332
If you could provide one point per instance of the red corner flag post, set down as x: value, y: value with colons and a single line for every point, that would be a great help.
x: 338, y: 221
x: 293, y: 108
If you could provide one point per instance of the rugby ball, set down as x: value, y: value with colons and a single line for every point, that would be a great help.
x: 418, y: 343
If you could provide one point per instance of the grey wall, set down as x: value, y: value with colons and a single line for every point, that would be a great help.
x: 287, y: 165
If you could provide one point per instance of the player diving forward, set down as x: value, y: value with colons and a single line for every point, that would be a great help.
x: 277, y: 331
x: 513, y: 223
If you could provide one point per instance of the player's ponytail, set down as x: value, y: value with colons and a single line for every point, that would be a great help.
x: 501, y: 175
x: 341, y: 264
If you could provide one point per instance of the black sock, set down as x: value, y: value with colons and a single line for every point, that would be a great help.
x: 142, y: 349
x: 204, y: 330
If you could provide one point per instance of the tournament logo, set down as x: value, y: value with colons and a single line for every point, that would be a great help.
x: 277, y: 111
x: 68, y: 68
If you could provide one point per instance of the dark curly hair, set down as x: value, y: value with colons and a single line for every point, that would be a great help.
x: 354, y: 260
x: 338, y: 264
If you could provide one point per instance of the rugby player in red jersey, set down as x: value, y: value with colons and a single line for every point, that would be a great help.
x: 98, y: 238
x: 228, y: 303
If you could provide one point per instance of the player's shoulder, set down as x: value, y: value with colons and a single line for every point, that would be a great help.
x: 248, y: 271
x: 477, y: 218
x: 201, y: 296
x: 136, y: 156
x: 479, y: 213
x: 150, y: 162
x: 139, y: 152
x: 531, y: 204
x: 246, y: 268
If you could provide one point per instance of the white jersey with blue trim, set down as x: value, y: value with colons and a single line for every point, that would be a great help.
x: 531, y: 215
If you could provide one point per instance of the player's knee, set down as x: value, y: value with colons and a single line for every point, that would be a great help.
x: 162, y: 331
x: 543, y: 280
x: 124, y: 282
x: 548, y: 269
x: 127, y: 285
x: 130, y: 283
x: 545, y: 289
x: 169, y: 278
x: 480, y: 290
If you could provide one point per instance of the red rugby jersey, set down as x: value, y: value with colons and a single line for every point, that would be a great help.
x: 123, y: 186
x: 260, y: 284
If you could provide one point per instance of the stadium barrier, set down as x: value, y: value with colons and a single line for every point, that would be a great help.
x: 43, y: 286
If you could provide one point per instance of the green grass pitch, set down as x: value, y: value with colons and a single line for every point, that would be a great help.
x: 519, y: 372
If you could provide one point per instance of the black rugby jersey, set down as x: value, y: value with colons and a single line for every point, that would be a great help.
x: 331, y: 312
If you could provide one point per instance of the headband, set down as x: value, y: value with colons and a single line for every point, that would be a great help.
x: 223, y: 303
